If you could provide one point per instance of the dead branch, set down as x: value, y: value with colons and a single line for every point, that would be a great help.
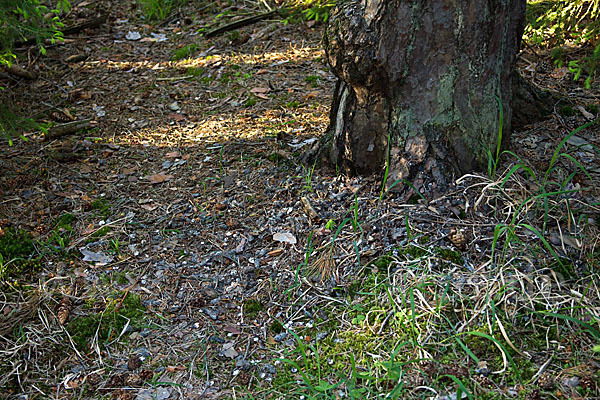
x: 245, y: 22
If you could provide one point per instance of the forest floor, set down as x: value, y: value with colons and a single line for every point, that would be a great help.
x: 175, y: 247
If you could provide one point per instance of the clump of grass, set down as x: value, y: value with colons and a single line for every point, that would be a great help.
x: 159, y: 9
x: 407, y: 322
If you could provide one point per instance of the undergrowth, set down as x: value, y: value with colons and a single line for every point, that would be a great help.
x: 566, y: 27
x: 422, y: 322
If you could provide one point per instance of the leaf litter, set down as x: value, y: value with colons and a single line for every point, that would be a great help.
x: 216, y: 252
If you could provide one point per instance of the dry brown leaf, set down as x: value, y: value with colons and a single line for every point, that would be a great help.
x: 85, y: 169
x: 260, y: 90
x: 176, y: 117
x: 275, y: 253
x: 159, y: 178
x: 129, y: 171
x: 588, y: 115
x: 233, y: 329
x: 559, y: 73
x: 173, y: 154
x: 87, y: 230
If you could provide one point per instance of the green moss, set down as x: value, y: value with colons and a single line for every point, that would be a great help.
x: 566, y: 111
x: 117, y: 277
x: 312, y: 79
x: 382, y: 262
x: 276, y: 327
x: 15, y: 243
x: 564, y: 267
x: 449, y: 255
x: 64, y: 222
x: 102, y: 206
x: 593, y: 108
x: 292, y: 104
x: 411, y: 252
x: 107, y: 324
x: 185, y: 52
x: 276, y: 157
x: 105, y: 230
x: 423, y: 240
x: 233, y: 36
x: 195, y: 71
x: 17, y: 264
x: 413, y: 199
x: 252, y: 307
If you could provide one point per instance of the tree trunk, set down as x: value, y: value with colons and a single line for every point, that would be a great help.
x: 420, y: 83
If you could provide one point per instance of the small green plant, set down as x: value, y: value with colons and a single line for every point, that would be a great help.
x: 312, y: 79
x: 319, y: 10
x: 13, y: 125
x: 308, y: 177
x: 493, y: 160
x: 330, y: 224
x: 114, y: 246
x: 251, y: 101
x: 159, y: 9
x: 28, y: 20
x: 566, y: 27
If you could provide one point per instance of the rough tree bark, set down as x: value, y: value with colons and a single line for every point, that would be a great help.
x: 419, y: 83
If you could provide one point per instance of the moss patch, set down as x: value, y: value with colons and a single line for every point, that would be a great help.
x: 185, y: 52
x: 109, y: 323
x: 252, y: 307
x: 15, y: 243
x: 17, y: 263
x: 102, y: 207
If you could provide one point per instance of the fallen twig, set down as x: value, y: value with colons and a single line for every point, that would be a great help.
x: 66, y: 129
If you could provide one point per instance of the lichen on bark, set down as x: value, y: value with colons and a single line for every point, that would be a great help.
x: 419, y: 83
